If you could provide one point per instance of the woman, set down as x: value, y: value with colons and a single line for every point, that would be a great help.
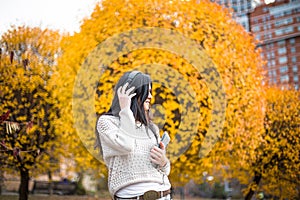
x: 132, y: 151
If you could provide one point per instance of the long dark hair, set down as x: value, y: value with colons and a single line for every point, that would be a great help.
x: 141, y: 82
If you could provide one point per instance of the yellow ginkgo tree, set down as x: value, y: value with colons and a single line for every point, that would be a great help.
x: 169, y: 40
x: 277, y: 167
x: 28, y: 141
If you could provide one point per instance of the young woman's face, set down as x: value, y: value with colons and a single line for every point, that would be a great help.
x: 147, y: 102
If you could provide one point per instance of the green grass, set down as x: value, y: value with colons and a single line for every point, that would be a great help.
x: 54, y: 197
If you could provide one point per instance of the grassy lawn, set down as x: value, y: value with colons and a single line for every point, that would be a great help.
x: 54, y: 197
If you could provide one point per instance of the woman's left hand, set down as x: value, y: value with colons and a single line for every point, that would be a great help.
x: 158, y: 155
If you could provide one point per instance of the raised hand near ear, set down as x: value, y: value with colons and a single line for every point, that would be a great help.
x: 125, y: 96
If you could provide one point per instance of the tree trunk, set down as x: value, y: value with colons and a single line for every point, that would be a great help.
x: 182, y: 195
x: 51, y: 183
x: 23, y: 189
x: 256, y: 181
x: 1, y: 180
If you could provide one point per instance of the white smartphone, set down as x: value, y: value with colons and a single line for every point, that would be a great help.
x: 165, y: 139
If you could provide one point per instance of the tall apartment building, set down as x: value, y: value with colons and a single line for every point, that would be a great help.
x: 277, y: 26
x: 241, y: 9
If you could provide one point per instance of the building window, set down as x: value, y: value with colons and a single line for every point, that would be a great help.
x: 268, y: 35
x: 277, y: 15
x: 284, y: 22
x: 284, y: 78
x: 269, y: 46
x: 293, y: 50
x: 288, y: 12
x: 235, y: 8
x: 279, y: 32
x: 295, y: 68
x: 296, y: 87
x: 298, y: 19
x: 257, y: 36
x: 294, y: 59
x: 290, y: 29
x: 249, y: 6
x: 280, y: 43
x: 283, y: 69
x: 292, y: 41
x: 265, y: 9
x: 273, y: 62
x: 286, y: 30
x: 272, y: 73
x: 282, y: 59
x: 262, y: 54
x: 282, y: 50
x: 256, y: 28
x: 296, y: 78
x: 272, y: 54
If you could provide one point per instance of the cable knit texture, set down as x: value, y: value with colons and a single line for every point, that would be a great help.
x: 126, y: 151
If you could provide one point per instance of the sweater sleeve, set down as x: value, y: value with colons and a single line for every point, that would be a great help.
x: 117, y: 137
x: 127, y: 121
x: 167, y: 168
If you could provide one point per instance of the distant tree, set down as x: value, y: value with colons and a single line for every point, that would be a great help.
x: 28, y: 56
x: 277, y: 169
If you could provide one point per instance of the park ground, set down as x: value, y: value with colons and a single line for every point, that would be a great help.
x: 54, y: 197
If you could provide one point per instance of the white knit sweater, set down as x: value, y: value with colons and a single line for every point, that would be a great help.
x: 126, y: 151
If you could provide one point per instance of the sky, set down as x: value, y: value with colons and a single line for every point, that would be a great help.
x: 65, y: 15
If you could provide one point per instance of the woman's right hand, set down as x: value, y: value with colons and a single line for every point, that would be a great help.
x: 125, y: 96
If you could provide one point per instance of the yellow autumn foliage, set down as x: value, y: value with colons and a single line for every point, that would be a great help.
x: 279, y: 163
x: 178, y: 84
x: 27, y: 136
